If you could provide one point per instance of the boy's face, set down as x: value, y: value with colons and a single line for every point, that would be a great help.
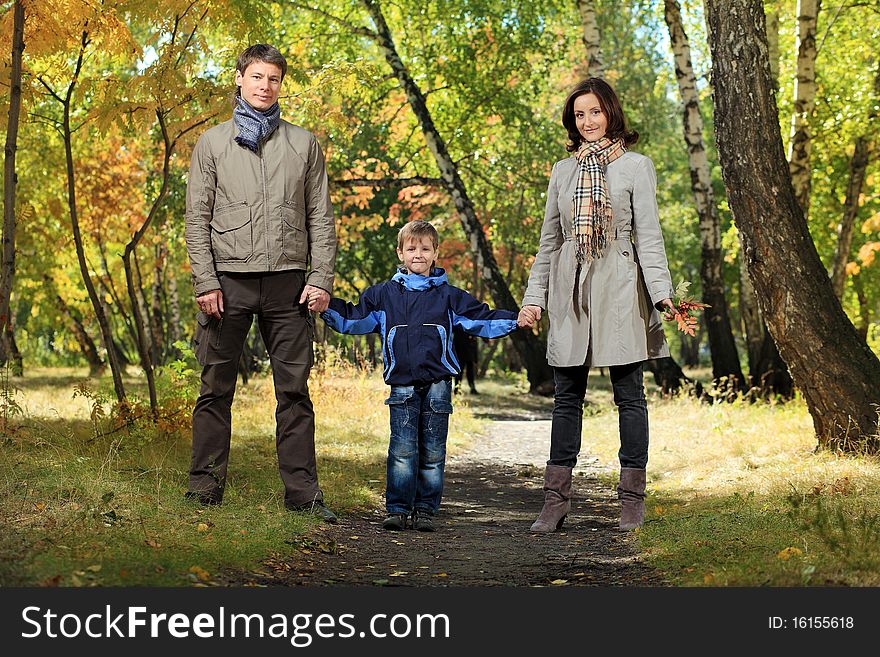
x: 260, y: 84
x: 418, y: 255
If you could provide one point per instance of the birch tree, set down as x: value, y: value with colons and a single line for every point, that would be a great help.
x: 591, y: 38
x: 725, y: 360
x: 830, y: 363
x: 801, y: 142
x: 7, y: 273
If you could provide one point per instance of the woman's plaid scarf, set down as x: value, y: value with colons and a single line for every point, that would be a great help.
x: 591, y: 207
x: 254, y: 126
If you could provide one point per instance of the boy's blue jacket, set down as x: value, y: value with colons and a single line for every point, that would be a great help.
x: 415, y: 316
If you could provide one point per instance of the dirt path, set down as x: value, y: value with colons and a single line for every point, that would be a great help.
x: 492, y: 495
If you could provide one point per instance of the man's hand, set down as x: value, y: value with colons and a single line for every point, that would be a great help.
x: 317, y: 298
x: 211, y: 303
x: 528, y: 316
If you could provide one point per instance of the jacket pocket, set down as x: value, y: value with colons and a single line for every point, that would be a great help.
x: 294, y: 240
x: 232, y: 232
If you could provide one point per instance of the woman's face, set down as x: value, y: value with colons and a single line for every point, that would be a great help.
x: 589, y: 118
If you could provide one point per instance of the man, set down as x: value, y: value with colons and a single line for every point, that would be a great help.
x: 261, y: 241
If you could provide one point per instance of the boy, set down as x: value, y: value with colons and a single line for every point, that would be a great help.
x: 415, y: 313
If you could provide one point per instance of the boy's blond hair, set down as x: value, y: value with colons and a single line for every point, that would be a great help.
x: 416, y: 230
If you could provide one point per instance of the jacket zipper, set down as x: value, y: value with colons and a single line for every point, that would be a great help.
x: 265, y: 207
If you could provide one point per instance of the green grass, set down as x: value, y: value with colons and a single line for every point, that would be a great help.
x: 738, y: 495
x: 84, y: 509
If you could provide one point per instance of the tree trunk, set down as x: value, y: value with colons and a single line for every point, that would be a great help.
x: 773, y: 46
x: 804, y: 101
x: 858, y: 167
x: 753, y: 325
x: 175, y: 323
x: 11, y: 346
x: 83, y: 339
x: 100, y: 315
x: 591, y: 38
x: 865, y: 310
x: 7, y: 271
x: 831, y: 365
x: 725, y: 360
x: 529, y: 348
x: 689, y: 351
x: 157, y: 316
x: 669, y: 377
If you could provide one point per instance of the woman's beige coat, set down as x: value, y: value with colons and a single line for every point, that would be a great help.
x: 611, y: 306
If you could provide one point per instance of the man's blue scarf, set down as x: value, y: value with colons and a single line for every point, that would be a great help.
x: 254, y: 126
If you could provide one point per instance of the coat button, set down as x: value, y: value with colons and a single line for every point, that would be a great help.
x: 626, y: 253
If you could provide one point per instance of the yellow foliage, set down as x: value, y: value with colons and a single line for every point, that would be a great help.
x: 871, y: 225
x: 867, y: 253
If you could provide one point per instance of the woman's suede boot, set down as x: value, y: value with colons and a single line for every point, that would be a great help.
x: 557, y: 499
x: 631, y: 493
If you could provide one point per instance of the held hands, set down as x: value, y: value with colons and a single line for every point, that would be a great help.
x: 528, y: 316
x: 211, y: 303
x: 317, y: 298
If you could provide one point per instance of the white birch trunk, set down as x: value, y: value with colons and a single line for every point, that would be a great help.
x: 591, y: 38
x: 801, y: 142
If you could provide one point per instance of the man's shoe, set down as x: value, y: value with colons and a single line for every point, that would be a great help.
x: 423, y: 521
x: 316, y: 508
x: 394, y: 522
x: 205, y: 499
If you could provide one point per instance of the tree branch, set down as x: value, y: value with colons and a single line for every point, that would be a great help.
x: 356, y: 29
x: 388, y: 182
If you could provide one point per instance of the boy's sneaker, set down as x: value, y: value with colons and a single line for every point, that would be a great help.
x: 394, y: 522
x: 423, y: 521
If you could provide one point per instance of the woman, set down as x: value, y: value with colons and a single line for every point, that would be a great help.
x: 601, y: 274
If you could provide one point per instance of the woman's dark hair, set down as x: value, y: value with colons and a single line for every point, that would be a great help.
x: 610, y: 105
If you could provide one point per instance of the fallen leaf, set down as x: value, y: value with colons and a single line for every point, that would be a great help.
x: 380, y: 582
x: 202, y: 527
x: 559, y: 582
x: 788, y: 553
x: 398, y: 573
x: 441, y: 575
x: 354, y: 538
x: 153, y: 543
x: 51, y: 581
x: 201, y: 573
x: 39, y: 506
x: 94, y: 568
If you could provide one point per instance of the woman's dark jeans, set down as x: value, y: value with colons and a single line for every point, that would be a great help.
x: 568, y: 412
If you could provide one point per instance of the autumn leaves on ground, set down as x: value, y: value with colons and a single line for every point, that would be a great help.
x: 737, y: 494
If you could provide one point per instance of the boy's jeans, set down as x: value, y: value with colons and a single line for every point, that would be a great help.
x: 417, y: 452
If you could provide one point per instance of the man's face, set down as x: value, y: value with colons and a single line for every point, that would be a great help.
x: 260, y: 84
x: 417, y: 255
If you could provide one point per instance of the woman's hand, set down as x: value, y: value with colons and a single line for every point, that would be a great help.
x: 528, y: 316
x: 667, y: 305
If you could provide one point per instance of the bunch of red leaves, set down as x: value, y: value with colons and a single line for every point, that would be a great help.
x: 686, y: 309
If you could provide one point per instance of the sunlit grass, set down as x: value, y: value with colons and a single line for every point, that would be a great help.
x: 85, y: 505
x: 738, y: 495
